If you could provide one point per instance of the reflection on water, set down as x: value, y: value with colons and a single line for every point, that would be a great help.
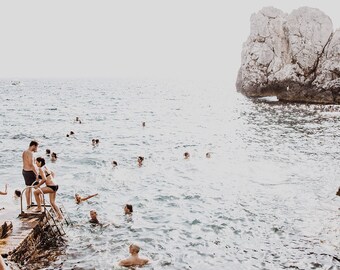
x: 265, y: 199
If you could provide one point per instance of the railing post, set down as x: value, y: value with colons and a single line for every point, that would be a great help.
x: 22, y: 194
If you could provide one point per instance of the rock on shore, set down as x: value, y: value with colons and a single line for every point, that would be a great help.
x: 295, y: 57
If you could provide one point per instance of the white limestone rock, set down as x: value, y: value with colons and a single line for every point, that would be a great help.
x: 297, y: 52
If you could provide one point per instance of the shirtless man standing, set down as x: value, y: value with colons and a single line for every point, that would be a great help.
x: 133, y: 260
x: 29, y: 171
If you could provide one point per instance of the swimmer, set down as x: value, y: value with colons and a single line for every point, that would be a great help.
x: 128, y: 209
x: 54, y: 157
x: 143, y: 124
x: 67, y: 135
x: 114, y: 164
x: 93, y: 142
x: 17, y: 194
x: 5, y: 192
x: 48, y: 152
x: 80, y: 199
x: 338, y: 193
x: 93, y: 215
x: 186, y: 155
x: 97, y: 141
x: 208, y: 155
x: 140, y: 161
x: 134, y: 259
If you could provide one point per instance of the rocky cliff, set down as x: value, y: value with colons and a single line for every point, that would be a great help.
x: 295, y: 57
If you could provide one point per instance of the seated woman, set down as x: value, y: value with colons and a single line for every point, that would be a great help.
x: 81, y: 199
x: 50, y: 188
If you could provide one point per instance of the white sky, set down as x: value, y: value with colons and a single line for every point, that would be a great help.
x: 144, y: 38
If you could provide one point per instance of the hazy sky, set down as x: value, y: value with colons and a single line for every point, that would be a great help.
x: 142, y: 38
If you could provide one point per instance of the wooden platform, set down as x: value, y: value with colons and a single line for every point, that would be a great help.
x: 22, y: 229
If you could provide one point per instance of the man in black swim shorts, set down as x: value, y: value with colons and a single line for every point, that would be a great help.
x: 29, y: 172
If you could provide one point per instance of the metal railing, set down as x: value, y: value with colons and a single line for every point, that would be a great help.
x: 21, y: 196
x: 49, y: 217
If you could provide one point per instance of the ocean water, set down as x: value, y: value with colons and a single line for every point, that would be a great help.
x: 264, y: 200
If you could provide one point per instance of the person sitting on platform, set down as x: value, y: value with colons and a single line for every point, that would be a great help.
x: 80, y: 199
x: 133, y: 260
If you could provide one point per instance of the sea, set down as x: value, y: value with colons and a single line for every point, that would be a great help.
x: 265, y: 199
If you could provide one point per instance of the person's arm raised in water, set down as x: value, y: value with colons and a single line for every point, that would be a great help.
x: 88, y: 197
x: 5, y: 192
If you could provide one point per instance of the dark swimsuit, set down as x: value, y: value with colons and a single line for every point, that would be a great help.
x: 54, y: 188
x: 29, y: 177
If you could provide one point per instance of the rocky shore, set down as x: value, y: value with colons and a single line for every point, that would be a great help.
x: 295, y: 57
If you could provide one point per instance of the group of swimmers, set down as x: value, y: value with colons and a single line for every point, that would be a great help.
x: 36, y: 174
x: 52, y: 155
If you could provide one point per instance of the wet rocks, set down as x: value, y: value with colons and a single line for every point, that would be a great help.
x: 292, y: 56
x: 5, y: 229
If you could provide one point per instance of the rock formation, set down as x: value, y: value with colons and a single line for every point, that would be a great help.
x: 295, y: 57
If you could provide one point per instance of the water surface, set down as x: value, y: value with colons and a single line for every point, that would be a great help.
x: 265, y: 200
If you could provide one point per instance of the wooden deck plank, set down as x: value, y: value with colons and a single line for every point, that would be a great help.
x: 22, y: 228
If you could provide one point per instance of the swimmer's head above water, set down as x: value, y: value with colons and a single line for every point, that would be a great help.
x: 17, y: 193
x: 140, y: 160
x: 54, y: 157
x: 134, y: 249
x: 77, y: 198
x: 93, y: 215
x: 128, y: 209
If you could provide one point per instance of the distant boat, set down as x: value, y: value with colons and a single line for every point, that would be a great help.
x: 15, y: 82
